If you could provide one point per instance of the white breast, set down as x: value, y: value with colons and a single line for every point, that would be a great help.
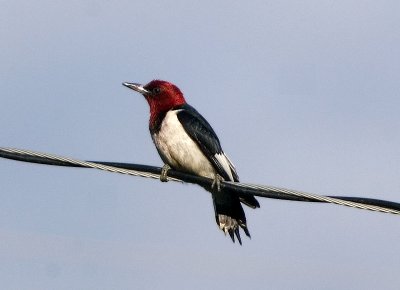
x: 179, y: 150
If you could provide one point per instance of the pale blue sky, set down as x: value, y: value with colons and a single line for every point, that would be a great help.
x: 303, y: 94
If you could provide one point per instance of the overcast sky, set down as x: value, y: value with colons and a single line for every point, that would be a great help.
x: 303, y: 95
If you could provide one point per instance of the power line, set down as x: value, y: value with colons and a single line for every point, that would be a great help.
x: 173, y: 175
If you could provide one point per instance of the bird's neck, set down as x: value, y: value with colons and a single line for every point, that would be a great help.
x: 157, y: 116
x: 156, y: 120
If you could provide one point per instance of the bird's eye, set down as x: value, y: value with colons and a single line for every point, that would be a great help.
x: 156, y: 90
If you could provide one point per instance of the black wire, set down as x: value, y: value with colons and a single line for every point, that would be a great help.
x: 202, y: 181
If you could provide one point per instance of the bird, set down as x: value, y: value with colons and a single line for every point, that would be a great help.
x: 186, y: 142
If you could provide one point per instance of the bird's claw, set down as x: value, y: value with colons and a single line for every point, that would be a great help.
x: 217, y: 182
x: 164, y: 172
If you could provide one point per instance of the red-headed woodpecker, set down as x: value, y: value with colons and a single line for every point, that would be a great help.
x: 186, y: 142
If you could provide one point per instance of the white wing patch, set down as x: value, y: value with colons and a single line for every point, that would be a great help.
x: 233, y: 168
x: 226, y: 164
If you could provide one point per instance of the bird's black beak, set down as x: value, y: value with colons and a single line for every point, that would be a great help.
x: 137, y: 87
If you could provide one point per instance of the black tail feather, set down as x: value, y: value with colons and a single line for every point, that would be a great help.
x: 231, y: 235
x: 238, y: 235
x: 250, y: 201
x: 229, y: 215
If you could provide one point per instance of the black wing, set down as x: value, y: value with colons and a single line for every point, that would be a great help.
x: 203, y: 134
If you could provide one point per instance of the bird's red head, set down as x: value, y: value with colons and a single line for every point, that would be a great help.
x: 161, y: 96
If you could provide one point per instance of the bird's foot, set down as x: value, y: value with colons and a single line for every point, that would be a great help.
x: 164, y: 172
x: 217, y: 182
